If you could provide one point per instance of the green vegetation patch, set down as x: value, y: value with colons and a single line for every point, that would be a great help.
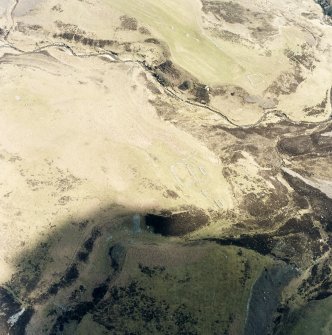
x: 315, y: 318
x: 178, y: 25
x: 208, y: 295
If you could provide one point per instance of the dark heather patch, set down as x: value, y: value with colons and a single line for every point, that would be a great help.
x: 262, y: 208
x: 152, y: 40
x: 186, y: 85
x: 144, y: 31
x: 318, y: 283
x: 170, y: 194
x: 82, y: 256
x: 323, y: 295
x: 117, y: 254
x: 75, y: 314
x: 304, y: 225
x: 301, y: 58
x: 305, y: 144
x: 57, y: 8
x: 225, y: 11
x: 201, y: 94
x: 88, y: 244
x: 321, y: 204
x: 85, y: 40
x: 286, y: 83
x: 164, y: 109
x: 245, y: 272
x: 161, y: 78
x: 70, y: 276
x: 152, y: 88
x: 68, y: 27
x: 168, y: 69
x: 99, y: 292
x: 151, y: 271
x: 79, y: 310
x: 77, y: 293
x: 317, y: 109
x: 261, y: 243
x: 300, y: 201
x: 53, y: 289
x: 128, y: 23
x: 133, y: 310
x: 149, y: 84
x: 25, y: 28
x: 294, y: 146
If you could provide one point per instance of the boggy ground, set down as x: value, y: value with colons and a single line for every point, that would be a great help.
x: 229, y: 171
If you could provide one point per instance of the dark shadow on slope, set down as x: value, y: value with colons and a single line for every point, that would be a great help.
x: 55, y: 265
x: 45, y: 274
x: 42, y: 272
